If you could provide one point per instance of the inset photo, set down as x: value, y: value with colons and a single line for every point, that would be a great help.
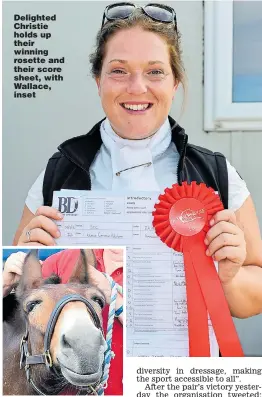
x: 62, y: 321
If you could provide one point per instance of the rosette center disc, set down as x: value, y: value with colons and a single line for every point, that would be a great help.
x: 188, y: 216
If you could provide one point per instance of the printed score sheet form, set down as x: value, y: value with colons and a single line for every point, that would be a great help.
x: 156, y: 312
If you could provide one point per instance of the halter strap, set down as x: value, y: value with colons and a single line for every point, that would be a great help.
x: 54, y: 316
x: 26, y: 359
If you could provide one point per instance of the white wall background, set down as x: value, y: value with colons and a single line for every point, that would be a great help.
x: 33, y: 128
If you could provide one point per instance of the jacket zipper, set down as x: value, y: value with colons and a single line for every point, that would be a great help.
x: 181, y: 161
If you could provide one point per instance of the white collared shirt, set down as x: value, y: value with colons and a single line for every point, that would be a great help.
x: 118, y: 154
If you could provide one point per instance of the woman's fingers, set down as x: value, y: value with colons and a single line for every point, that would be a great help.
x: 219, y: 228
x: 226, y: 244
x: 15, y: 258
x: 225, y: 215
x: 41, y: 236
x: 117, y: 254
x: 223, y: 240
x: 42, y: 222
x: 49, y: 212
x: 100, y: 281
x: 33, y: 243
x: 15, y: 268
x: 15, y: 263
x: 19, y: 257
x: 234, y: 254
x: 42, y: 230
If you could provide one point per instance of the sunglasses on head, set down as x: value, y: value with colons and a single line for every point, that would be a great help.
x: 155, y: 11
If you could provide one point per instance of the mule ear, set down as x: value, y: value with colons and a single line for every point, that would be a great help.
x: 32, y: 273
x: 80, y: 272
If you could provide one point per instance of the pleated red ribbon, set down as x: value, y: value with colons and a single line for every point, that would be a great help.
x: 181, y: 220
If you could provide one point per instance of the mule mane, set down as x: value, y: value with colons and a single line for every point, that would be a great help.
x: 53, y: 279
x: 10, y: 306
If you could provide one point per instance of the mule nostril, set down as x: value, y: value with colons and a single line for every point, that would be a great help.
x: 65, y: 342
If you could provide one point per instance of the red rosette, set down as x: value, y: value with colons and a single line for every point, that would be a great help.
x: 181, y: 220
x: 184, y: 210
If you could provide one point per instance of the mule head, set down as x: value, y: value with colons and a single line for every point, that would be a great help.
x: 77, y: 344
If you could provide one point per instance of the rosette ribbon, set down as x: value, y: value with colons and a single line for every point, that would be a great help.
x: 181, y: 220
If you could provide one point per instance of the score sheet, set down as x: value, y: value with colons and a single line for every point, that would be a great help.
x: 156, y: 311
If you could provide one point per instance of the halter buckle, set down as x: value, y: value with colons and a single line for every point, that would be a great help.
x: 48, y: 359
x: 21, y: 342
x: 23, y: 352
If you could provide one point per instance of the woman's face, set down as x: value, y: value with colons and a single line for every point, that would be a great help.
x: 136, y: 85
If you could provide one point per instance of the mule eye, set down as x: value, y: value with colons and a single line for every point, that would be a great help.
x: 31, y: 305
x: 99, y: 301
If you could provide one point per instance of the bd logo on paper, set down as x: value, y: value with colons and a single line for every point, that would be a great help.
x: 67, y: 205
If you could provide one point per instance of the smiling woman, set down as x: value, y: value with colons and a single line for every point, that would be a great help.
x: 136, y: 91
x: 137, y: 67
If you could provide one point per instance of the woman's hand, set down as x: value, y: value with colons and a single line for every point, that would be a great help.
x: 41, y: 230
x: 226, y: 244
x: 103, y: 284
x: 113, y: 259
x: 12, y: 271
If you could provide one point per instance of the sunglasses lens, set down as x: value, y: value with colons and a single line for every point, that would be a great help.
x: 161, y: 14
x: 120, y: 12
